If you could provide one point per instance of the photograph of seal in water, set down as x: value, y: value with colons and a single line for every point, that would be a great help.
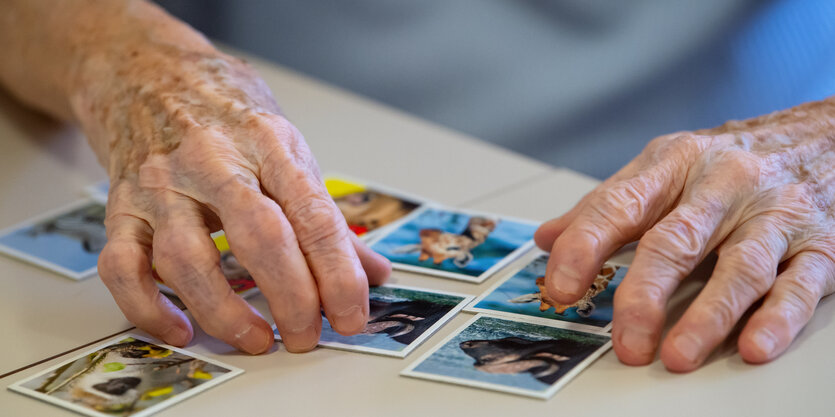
x: 510, y: 356
x: 67, y: 241
x: 400, y: 319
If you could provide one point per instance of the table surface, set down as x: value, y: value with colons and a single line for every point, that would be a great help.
x: 42, y: 315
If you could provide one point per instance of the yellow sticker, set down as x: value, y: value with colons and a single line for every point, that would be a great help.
x: 221, y: 243
x: 158, y: 392
x: 201, y: 375
x: 339, y: 188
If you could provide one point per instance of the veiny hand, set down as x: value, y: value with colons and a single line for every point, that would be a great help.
x: 193, y: 142
x: 759, y: 192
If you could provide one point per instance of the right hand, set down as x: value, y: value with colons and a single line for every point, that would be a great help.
x: 194, y: 142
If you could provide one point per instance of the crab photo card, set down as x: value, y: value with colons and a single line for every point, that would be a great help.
x: 400, y: 319
x: 454, y: 243
x: 126, y: 376
x: 498, y: 354
x: 523, y: 294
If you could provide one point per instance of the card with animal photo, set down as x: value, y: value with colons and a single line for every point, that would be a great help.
x: 454, y: 243
x: 369, y: 208
x: 523, y: 295
x: 400, y: 319
x: 237, y: 276
x: 67, y: 241
x: 493, y: 353
x: 127, y: 376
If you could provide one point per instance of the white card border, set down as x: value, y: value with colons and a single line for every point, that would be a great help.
x: 92, y: 191
x: 543, y: 395
x: 512, y: 256
x: 20, y: 389
x: 419, y: 341
x: 36, y: 261
x: 524, y: 261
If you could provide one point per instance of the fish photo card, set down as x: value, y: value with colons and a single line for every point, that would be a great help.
x: 67, y: 241
x: 523, y: 294
x: 454, y: 243
x: 400, y: 319
x: 498, y: 354
x: 126, y: 376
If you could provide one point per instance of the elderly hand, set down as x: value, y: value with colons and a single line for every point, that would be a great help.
x: 759, y: 192
x: 194, y: 142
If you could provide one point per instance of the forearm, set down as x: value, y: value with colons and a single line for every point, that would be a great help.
x: 47, y: 44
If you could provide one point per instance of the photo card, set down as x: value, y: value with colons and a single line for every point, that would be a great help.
x: 67, y: 240
x: 400, y: 319
x: 522, y: 295
x: 523, y: 358
x: 453, y: 243
x: 369, y: 208
x: 126, y: 376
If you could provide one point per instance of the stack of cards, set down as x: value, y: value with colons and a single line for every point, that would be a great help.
x: 127, y: 376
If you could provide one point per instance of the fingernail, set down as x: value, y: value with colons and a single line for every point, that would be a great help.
x: 251, y: 340
x: 567, y: 281
x: 351, y: 320
x: 638, y: 340
x: 689, y: 346
x: 765, y: 340
x: 302, y: 339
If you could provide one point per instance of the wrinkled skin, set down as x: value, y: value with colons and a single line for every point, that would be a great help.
x: 758, y: 192
x: 194, y: 142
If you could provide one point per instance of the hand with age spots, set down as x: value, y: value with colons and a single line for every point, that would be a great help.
x: 758, y: 192
x: 194, y: 142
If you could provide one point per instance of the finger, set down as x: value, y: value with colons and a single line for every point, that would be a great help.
x: 125, y: 268
x: 787, y: 307
x: 615, y: 216
x: 264, y: 243
x: 376, y: 266
x: 666, y: 254
x: 187, y: 260
x: 290, y: 176
x: 549, y: 231
x: 745, y: 271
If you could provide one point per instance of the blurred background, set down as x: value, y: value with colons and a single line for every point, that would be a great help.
x: 583, y: 84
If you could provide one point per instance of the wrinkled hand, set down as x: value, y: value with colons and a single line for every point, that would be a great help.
x: 194, y: 142
x: 759, y: 192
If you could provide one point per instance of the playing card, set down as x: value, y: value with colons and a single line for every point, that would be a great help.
x: 454, y: 243
x: 127, y: 376
x: 522, y: 295
x: 238, y: 278
x: 67, y: 241
x: 368, y: 208
x: 400, y: 319
x: 522, y: 358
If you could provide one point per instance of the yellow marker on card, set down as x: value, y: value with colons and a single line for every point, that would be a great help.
x: 201, y: 375
x: 221, y: 243
x: 158, y: 392
x: 339, y: 188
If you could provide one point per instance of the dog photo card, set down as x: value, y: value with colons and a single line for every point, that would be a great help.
x: 523, y: 294
x: 400, y: 319
x: 524, y: 358
x: 126, y: 376
x: 67, y: 241
x: 454, y: 244
x: 369, y: 208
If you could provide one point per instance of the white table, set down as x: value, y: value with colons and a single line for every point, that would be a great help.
x: 45, y: 165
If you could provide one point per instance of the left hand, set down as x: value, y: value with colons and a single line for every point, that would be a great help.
x: 759, y: 192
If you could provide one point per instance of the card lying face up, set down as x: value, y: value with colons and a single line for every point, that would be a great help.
x: 237, y: 276
x: 523, y: 295
x: 67, y: 241
x: 454, y: 243
x: 400, y: 319
x: 127, y: 376
x: 369, y: 208
x: 528, y: 359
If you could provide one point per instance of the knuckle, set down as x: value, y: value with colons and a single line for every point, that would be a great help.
x: 648, y: 294
x: 316, y: 221
x: 678, y: 244
x: 721, y: 312
x: 752, y: 265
